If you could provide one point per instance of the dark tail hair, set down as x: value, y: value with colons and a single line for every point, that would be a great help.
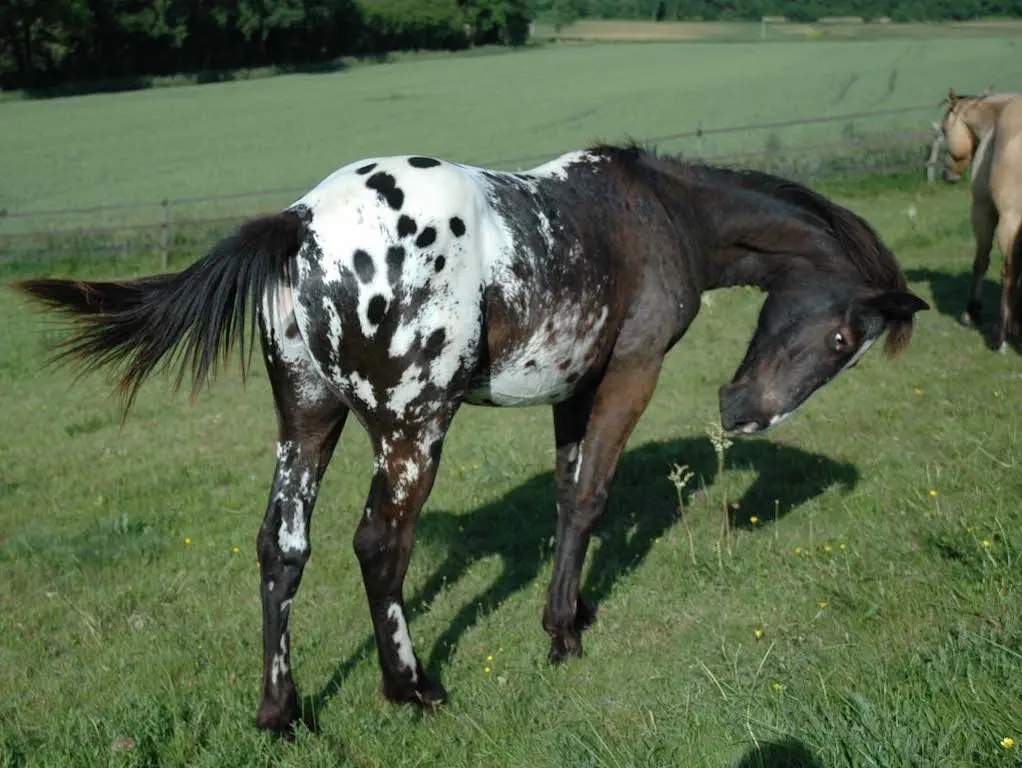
x: 1015, y: 275
x: 202, y: 308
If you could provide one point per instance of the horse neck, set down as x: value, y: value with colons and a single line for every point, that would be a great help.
x: 753, y: 238
x: 980, y: 115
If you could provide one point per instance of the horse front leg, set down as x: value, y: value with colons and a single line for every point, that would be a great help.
x: 283, y: 546
x: 570, y: 420
x: 984, y: 222
x: 583, y: 480
x: 406, y: 465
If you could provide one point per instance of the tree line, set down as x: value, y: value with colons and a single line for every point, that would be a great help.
x: 566, y: 11
x: 49, y: 42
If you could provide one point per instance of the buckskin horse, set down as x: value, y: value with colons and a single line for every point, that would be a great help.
x: 986, y: 131
x: 401, y: 288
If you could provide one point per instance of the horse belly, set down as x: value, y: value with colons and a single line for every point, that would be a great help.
x: 546, y: 367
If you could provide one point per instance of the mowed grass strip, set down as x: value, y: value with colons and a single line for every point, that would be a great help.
x: 863, y: 610
x: 286, y: 133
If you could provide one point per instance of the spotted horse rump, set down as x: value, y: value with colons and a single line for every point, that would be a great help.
x: 401, y: 288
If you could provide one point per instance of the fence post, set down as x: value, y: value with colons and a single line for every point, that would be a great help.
x: 166, y: 234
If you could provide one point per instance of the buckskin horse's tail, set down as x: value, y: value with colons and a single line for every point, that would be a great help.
x: 198, y: 312
x: 1015, y: 275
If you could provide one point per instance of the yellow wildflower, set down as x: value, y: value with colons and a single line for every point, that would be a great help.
x: 933, y: 493
x: 798, y: 550
x: 188, y: 540
x: 827, y: 548
x: 235, y: 550
x: 843, y: 546
x: 758, y: 633
x: 1007, y: 742
x: 986, y: 542
x: 777, y: 687
x: 489, y: 658
x: 753, y: 519
x: 823, y: 603
x: 486, y: 670
x: 919, y: 391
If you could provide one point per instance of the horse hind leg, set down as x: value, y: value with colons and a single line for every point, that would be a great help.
x: 984, y: 222
x: 1009, y: 230
x: 406, y: 461
x: 310, y: 419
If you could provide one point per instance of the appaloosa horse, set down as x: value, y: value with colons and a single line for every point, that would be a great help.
x: 402, y: 287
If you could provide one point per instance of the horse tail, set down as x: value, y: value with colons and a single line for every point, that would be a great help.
x: 198, y: 312
x: 1015, y: 275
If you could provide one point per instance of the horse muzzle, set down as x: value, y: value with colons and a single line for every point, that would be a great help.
x: 740, y: 416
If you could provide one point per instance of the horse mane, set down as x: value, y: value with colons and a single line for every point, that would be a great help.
x: 856, y: 239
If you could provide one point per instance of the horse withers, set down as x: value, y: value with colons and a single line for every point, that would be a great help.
x: 986, y: 132
x: 401, y: 288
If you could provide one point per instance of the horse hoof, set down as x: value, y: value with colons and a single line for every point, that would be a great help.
x: 564, y: 648
x: 426, y: 694
x: 1002, y: 347
x: 972, y: 317
x: 585, y: 614
x: 277, y: 719
x: 431, y: 696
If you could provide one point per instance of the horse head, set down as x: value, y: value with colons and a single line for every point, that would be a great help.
x: 806, y: 336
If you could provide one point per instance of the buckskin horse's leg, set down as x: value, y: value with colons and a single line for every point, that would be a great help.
x: 406, y: 464
x: 984, y: 221
x: 1008, y: 229
x: 583, y: 480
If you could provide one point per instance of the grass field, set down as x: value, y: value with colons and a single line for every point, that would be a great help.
x: 288, y: 132
x: 865, y: 611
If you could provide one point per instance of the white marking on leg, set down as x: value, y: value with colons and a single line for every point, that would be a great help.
x: 578, y: 463
x: 279, y: 665
x: 291, y: 536
x: 402, y: 640
x: 406, y: 478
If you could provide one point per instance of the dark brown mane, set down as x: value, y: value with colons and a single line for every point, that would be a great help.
x: 857, y: 241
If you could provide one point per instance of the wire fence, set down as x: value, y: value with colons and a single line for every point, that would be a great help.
x: 163, y: 227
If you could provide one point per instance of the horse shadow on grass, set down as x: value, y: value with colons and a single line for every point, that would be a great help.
x: 519, y: 529
x: 950, y: 293
x: 789, y: 753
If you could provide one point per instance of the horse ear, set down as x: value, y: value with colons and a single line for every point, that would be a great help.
x: 899, y: 304
x: 952, y: 97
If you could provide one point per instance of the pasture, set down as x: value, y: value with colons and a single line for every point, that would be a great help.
x: 283, y: 134
x: 861, y: 610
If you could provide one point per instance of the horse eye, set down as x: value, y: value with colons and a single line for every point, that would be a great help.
x: 838, y: 342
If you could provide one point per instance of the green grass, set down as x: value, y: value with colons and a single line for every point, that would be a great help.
x: 284, y: 134
x: 890, y: 618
